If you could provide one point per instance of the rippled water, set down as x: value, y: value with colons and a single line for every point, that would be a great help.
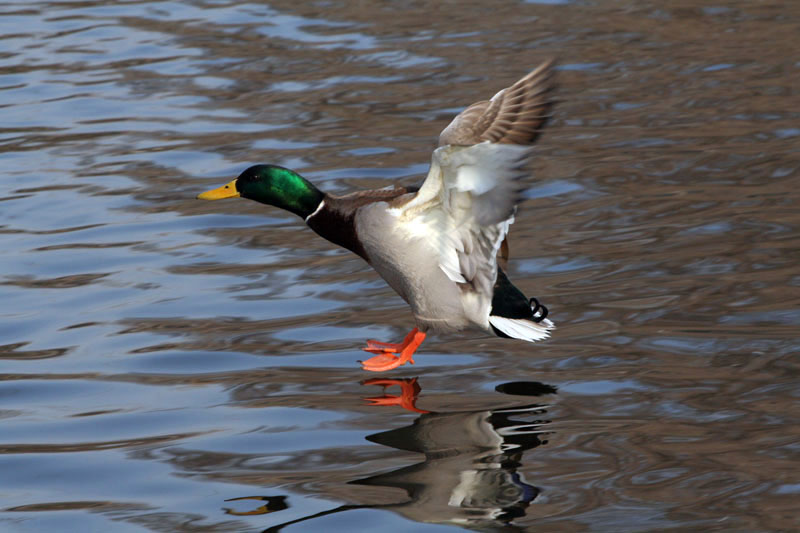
x: 175, y: 365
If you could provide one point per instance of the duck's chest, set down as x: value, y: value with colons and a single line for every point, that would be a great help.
x: 408, y: 260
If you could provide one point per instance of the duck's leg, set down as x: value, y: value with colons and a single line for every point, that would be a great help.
x: 386, y: 358
x: 380, y: 347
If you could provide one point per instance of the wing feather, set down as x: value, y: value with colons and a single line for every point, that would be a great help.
x: 466, y: 206
x: 468, y: 200
x: 514, y: 115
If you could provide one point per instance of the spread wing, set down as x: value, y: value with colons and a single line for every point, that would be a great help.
x: 469, y: 197
x: 514, y: 115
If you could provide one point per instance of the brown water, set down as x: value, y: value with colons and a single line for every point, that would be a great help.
x: 161, y: 355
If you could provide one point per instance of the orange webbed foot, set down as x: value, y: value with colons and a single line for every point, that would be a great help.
x: 386, y: 358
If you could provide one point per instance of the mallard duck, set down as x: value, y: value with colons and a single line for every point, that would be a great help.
x: 437, y: 245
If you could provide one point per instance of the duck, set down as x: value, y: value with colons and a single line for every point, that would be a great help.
x: 441, y: 246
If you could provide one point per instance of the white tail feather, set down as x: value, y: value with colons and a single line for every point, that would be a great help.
x: 523, y: 329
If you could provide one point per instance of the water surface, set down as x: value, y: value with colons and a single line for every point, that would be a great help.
x: 174, y: 365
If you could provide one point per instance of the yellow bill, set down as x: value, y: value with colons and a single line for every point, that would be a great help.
x: 226, y: 191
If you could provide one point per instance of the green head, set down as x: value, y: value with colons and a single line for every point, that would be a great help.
x: 273, y: 185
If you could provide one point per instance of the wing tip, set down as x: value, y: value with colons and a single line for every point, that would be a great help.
x: 501, y: 122
x: 548, y: 66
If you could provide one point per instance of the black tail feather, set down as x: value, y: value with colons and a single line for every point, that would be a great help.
x: 509, y: 302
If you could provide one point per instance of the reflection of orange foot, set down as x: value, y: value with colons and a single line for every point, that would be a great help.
x: 274, y: 503
x: 386, y: 358
x: 409, y: 391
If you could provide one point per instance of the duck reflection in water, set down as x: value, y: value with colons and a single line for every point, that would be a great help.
x: 469, y: 476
